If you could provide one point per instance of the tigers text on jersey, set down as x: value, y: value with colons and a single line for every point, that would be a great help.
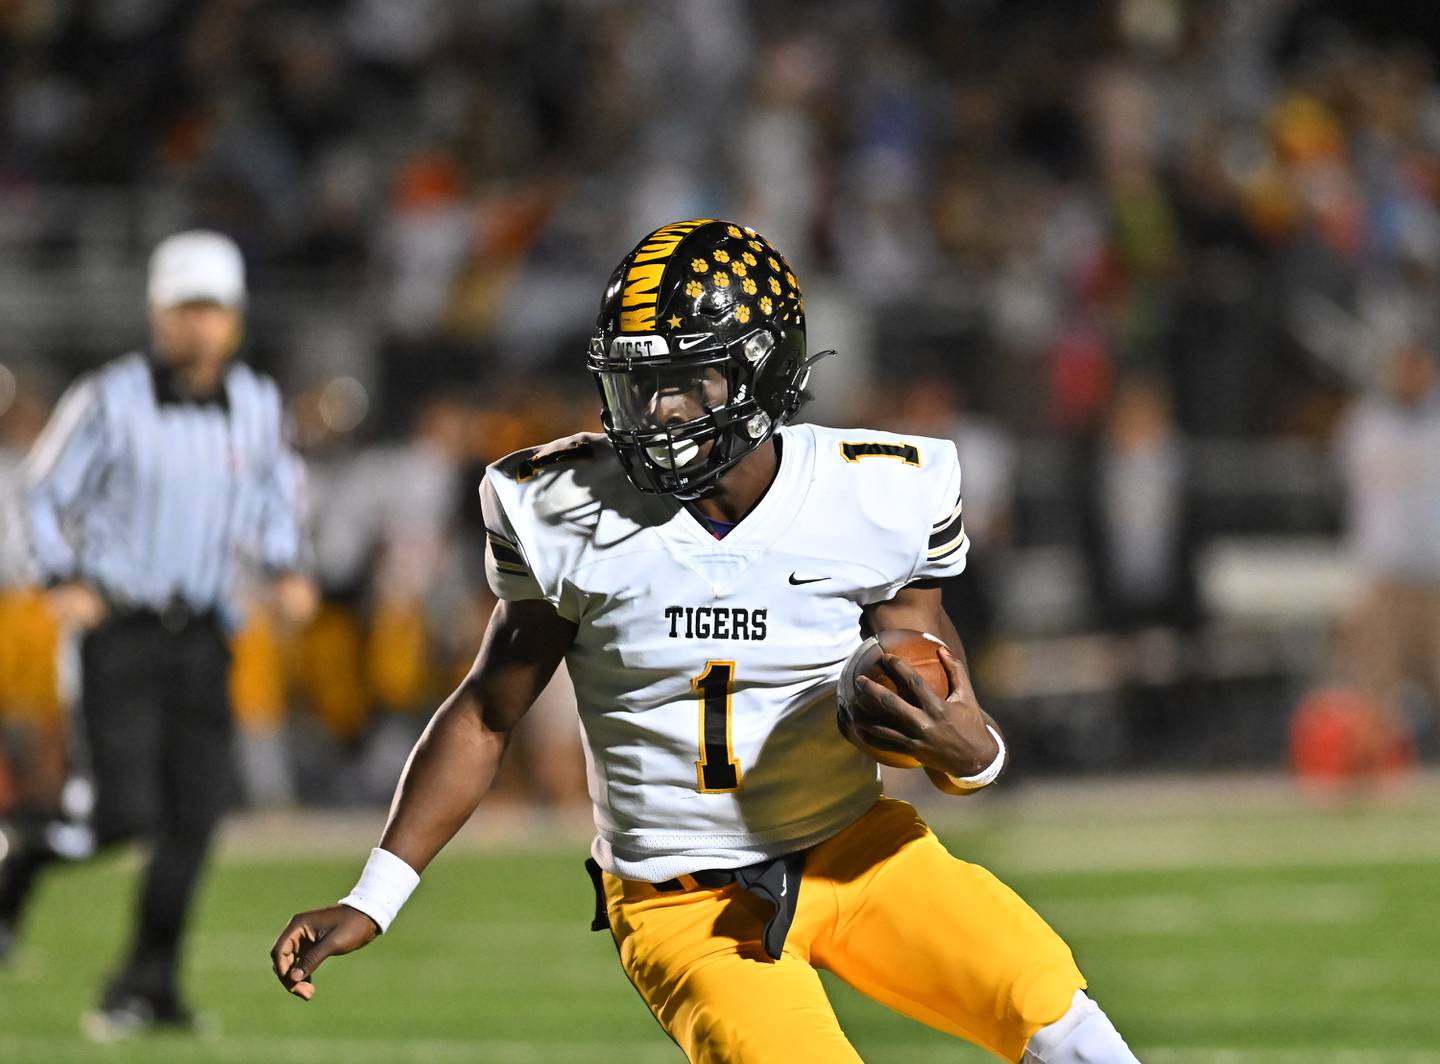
x: 705, y: 668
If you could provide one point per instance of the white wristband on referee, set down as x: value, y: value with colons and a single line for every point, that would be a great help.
x: 384, y: 887
x: 986, y: 775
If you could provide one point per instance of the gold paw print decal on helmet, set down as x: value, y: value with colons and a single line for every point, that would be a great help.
x: 738, y: 271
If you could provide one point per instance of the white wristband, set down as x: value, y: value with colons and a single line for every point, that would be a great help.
x: 986, y: 775
x: 384, y: 887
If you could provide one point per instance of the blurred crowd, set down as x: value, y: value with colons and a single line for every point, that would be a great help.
x: 1238, y: 197
x: 1099, y: 245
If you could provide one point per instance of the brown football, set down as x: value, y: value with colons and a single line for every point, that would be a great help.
x: 919, y: 650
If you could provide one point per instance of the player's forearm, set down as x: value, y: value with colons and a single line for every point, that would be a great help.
x: 966, y: 745
x: 454, y: 763
x: 986, y: 743
x: 921, y: 610
x: 449, y: 771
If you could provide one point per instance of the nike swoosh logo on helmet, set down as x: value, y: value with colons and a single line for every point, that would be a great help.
x: 685, y: 343
x: 797, y: 581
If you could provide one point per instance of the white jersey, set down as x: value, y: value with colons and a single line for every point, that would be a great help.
x: 705, y: 668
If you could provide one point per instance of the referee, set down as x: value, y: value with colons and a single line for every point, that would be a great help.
x: 161, y: 483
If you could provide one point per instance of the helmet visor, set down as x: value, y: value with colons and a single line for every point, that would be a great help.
x: 665, y: 410
x: 646, y: 399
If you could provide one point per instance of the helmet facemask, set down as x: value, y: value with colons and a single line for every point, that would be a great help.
x: 662, y: 409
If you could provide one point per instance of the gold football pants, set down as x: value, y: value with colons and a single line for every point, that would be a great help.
x: 29, y: 657
x: 882, y: 905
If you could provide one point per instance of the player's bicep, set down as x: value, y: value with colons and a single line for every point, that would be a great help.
x: 522, y: 648
x: 915, y: 606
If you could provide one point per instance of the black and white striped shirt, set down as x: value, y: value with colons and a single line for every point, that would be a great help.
x: 153, y: 498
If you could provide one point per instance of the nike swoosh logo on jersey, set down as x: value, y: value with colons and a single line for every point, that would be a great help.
x: 797, y: 580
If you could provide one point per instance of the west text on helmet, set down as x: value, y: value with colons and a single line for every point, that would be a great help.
x: 632, y: 347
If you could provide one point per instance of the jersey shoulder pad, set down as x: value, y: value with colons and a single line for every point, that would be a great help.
x: 887, y: 462
x: 903, y: 490
x: 553, y: 457
x: 561, y: 487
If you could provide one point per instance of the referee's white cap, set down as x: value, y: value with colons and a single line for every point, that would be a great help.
x: 198, y: 265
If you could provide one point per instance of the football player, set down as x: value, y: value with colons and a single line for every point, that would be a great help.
x: 705, y: 569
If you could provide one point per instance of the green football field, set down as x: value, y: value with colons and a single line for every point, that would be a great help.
x: 1221, y: 920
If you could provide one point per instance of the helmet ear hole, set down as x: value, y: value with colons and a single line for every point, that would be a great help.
x: 757, y: 346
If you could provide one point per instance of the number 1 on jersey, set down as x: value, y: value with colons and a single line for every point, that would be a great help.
x: 717, y: 769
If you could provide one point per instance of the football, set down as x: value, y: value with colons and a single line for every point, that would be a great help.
x: 919, y: 650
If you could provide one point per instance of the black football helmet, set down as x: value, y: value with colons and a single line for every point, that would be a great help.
x: 707, y: 308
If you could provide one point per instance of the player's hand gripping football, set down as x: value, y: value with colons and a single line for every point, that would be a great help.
x: 311, y: 937
x: 945, y: 734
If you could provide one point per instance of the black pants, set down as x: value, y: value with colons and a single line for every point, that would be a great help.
x: 155, y: 739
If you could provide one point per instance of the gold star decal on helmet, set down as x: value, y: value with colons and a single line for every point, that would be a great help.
x: 722, y: 280
x: 742, y: 313
x: 699, y: 265
x: 674, y: 321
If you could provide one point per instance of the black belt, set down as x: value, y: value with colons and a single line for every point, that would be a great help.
x: 175, y: 616
x: 776, y: 881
